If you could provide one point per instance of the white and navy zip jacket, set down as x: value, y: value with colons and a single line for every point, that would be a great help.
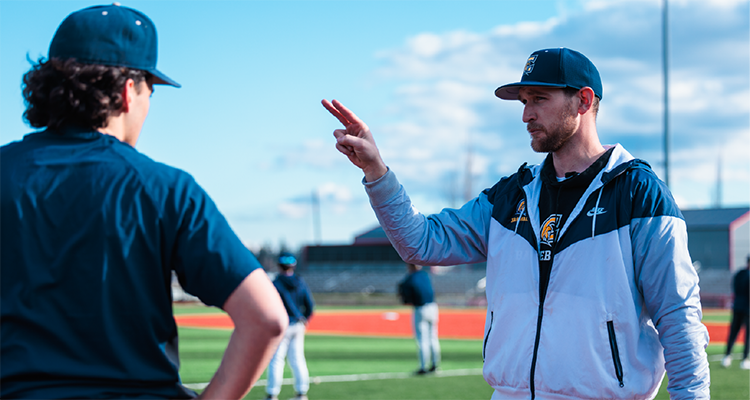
x: 622, y: 299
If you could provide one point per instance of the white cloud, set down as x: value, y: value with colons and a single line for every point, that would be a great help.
x: 294, y: 210
x: 331, y: 191
x: 526, y: 29
x: 425, y: 45
x: 312, y: 152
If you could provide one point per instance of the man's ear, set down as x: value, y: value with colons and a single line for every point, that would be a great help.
x: 128, y: 94
x: 586, y: 98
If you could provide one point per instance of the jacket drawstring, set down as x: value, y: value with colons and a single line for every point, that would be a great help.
x: 519, y: 220
x: 596, y: 212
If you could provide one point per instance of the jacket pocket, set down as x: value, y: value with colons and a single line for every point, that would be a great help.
x: 615, y: 351
x: 487, y: 336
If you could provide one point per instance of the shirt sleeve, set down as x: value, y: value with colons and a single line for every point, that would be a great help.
x: 453, y: 236
x: 209, y: 258
x: 669, y: 285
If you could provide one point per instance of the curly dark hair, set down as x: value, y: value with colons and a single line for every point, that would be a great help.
x: 61, y: 93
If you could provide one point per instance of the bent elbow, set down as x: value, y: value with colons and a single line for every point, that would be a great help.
x: 277, y: 325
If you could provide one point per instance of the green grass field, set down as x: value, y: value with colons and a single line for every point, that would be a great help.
x: 201, y: 351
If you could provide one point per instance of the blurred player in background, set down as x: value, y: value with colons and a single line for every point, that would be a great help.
x: 590, y: 288
x: 92, y: 230
x: 299, y: 306
x: 416, y: 290
x: 740, y: 316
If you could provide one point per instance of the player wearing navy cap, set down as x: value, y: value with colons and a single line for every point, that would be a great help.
x: 299, y: 306
x: 590, y: 288
x: 92, y: 231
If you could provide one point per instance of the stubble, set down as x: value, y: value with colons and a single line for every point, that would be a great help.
x: 557, y: 134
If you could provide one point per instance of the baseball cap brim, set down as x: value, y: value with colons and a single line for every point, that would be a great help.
x: 161, y: 79
x: 510, y: 91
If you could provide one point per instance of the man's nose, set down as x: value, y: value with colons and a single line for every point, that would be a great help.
x: 528, y: 114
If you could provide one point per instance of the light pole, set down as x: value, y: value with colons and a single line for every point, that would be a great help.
x: 665, y: 62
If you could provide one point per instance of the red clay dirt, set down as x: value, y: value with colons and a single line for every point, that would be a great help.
x: 454, y: 324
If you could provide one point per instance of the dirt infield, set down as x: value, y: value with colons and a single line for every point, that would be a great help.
x: 454, y: 323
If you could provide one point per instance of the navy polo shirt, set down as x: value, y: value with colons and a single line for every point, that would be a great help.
x: 91, y: 231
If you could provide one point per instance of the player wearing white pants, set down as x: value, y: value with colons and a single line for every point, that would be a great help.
x: 299, y: 306
x: 416, y: 290
x: 292, y: 347
x: 426, y: 333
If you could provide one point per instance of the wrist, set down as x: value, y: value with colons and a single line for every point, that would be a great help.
x: 375, y: 172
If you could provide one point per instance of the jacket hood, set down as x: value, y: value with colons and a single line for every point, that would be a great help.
x: 289, y: 281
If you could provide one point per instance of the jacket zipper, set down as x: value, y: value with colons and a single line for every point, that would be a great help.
x: 544, y: 277
x: 615, y: 351
x: 487, y: 337
x: 536, y: 348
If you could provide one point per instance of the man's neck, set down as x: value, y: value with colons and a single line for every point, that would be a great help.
x: 578, y: 153
x: 118, y: 127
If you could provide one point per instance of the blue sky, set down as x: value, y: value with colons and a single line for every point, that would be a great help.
x: 248, y: 123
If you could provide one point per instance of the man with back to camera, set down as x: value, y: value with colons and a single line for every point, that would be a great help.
x: 299, y: 306
x: 92, y: 230
x: 416, y: 290
x: 740, y: 316
x: 590, y: 288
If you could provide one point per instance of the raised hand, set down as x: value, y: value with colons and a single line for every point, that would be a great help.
x: 356, y: 142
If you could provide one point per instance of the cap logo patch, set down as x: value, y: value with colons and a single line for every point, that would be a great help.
x: 529, y: 64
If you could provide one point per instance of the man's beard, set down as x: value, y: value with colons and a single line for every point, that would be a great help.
x: 558, y: 134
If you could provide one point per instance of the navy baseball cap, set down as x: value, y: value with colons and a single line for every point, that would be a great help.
x: 287, y: 260
x: 559, y: 68
x: 109, y: 35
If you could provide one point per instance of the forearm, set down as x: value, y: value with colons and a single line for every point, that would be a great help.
x: 260, y: 319
x: 447, y: 238
x: 244, y: 361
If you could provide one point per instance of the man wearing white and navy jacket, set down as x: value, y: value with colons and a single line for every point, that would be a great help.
x: 590, y: 288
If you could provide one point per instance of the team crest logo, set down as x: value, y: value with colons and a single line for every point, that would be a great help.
x: 529, y: 65
x: 520, y: 210
x: 549, y: 229
x: 521, y: 207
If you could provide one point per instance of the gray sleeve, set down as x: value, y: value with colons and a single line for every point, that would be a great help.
x: 669, y: 285
x: 451, y: 237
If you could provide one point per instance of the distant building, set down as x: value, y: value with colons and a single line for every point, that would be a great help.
x: 718, y: 238
x: 370, y: 251
x: 719, y: 243
x: 371, y: 265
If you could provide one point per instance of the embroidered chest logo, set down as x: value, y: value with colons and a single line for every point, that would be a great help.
x: 596, y: 211
x: 520, y: 212
x: 529, y: 65
x: 550, y: 227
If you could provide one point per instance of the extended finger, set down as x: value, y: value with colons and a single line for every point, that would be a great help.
x: 335, y: 112
x: 350, y: 116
